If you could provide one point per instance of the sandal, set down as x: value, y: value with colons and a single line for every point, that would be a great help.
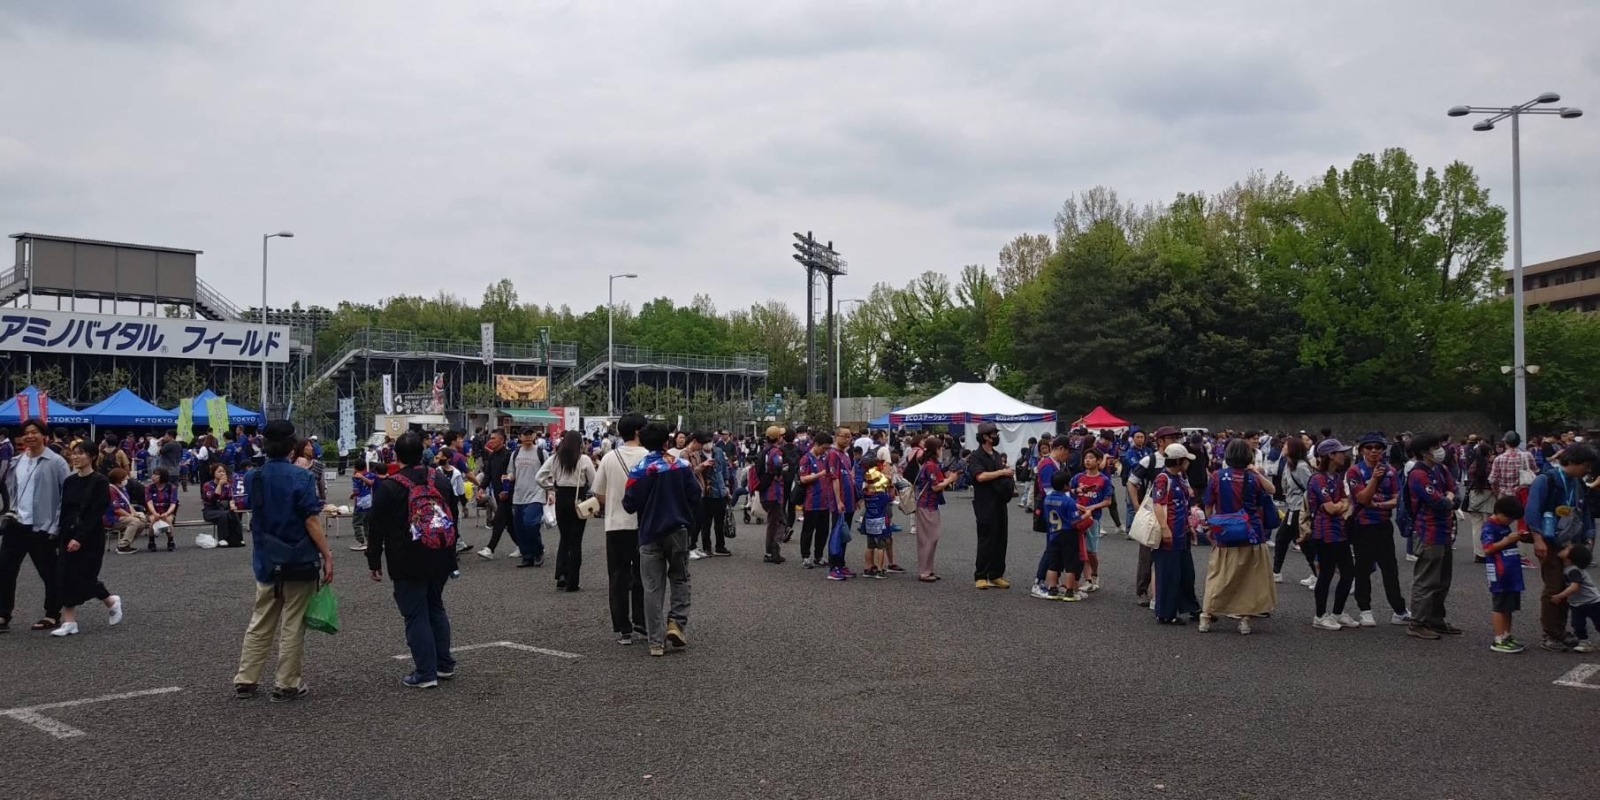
x: 44, y: 624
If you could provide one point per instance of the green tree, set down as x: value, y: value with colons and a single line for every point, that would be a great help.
x: 477, y: 395
x: 51, y: 380
x: 180, y: 383
x: 316, y: 411
x: 105, y: 383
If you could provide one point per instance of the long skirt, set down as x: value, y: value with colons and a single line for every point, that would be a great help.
x: 927, y: 539
x: 1239, y: 582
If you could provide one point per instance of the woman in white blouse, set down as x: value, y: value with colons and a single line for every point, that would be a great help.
x: 566, y: 477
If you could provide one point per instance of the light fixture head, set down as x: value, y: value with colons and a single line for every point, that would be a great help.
x: 1505, y: 370
x: 1459, y: 111
x: 285, y: 234
x: 629, y: 275
x: 1531, y: 369
x: 1571, y: 113
x: 1484, y: 125
x: 1549, y: 97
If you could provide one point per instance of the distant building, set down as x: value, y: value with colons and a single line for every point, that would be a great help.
x: 1565, y: 283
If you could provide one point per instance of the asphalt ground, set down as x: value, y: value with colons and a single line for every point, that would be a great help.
x: 792, y: 687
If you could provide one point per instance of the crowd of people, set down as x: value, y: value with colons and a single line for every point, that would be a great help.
x: 668, y: 497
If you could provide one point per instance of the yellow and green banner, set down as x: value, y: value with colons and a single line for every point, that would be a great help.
x: 185, y: 418
x: 217, y: 410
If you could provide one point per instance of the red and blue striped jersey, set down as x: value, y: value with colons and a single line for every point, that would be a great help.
x: 1172, y: 493
x: 842, y: 467
x: 818, y: 493
x: 1388, y: 487
x: 774, y: 467
x: 1504, y: 568
x: 1431, y: 511
x: 1325, y: 488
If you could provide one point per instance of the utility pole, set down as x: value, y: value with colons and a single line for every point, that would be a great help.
x: 819, y: 260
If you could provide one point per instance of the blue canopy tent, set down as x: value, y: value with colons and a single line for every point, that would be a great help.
x: 58, y: 413
x: 236, y: 415
x: 126, y: 409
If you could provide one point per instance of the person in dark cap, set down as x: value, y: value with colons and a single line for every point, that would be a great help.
x: 290, y: 559
x: 993, y: 485
x: 1375, y: 491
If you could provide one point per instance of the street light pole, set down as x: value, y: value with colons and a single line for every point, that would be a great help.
x: 838, y: 372
x: 1518, y: 327
x: 611, y: 345
x: 264, y: 238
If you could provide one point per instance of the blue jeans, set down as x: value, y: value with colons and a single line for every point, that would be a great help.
x: 1582, y: 616
x: 421, y: 602
x: 526, y: 520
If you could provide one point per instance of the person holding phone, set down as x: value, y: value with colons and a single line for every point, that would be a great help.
x: 1375, y: 487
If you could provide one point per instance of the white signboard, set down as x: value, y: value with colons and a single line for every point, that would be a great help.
x: 35, y: 331
x: 488, y: 342
x: 569, y: 421
x: 347, y: 424
x: 388, y: 394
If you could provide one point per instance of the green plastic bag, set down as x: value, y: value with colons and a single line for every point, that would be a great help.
x: 322, y: 613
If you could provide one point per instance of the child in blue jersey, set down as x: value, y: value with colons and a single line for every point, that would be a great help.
x: 1064, y: 546
x: 875, y: 518
x: 1504, y: 567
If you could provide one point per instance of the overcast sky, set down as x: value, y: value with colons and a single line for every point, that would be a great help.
x: 414, y: 147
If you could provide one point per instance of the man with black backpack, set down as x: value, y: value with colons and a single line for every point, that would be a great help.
x: 411, y: 520
x: 770, y: 468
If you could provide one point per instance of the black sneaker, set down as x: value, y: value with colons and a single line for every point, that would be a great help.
x: 171, y: 546
x: 625, y: 638
x: 895, y: 569
x: 539, y: 562
x: 152, y: 547
x: 125, y: 549
x: 446, y: 675
x: 722, y: 552
x: 288, y: 695
x: 245, y: 691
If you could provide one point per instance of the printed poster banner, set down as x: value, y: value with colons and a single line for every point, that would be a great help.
x: 554, y: 430
x: 388, y: 394
x: 347, y: 424
x: 186, y: 418
x: 44, y: 407
x: 520, y: 389
x: 437, y: 406
x: 22, y: 407
x: 487, y: 329
x: 34, y: 331
x: 217, y: 413
x: 569, y: 418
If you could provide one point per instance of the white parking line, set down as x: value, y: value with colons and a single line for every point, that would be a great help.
x: 509, y: 646
x: 30, y: 715
x: 1578, y: 677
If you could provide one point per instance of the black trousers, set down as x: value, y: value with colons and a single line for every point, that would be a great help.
x: 814, y: 532
x: 992, y: 537
x: 1374, y: 545
x: 569, y: 552
x: 1287, y: 533
x: 713, y: 511
x: 625, y: 590
x: 21, y: 543
x: 79, y: 572
x: 1334, y: 556
x: 500, y: 523
x: 227, y: 523
x: 1141, y: 581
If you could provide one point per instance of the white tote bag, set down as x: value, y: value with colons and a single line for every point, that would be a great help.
x: 1144, y: 529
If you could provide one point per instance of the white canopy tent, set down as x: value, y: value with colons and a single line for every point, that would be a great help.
x: 970, y: 404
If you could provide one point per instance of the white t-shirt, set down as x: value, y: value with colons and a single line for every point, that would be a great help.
x: 866, y: 444
x: 26, y: 467
x: 611, y: 481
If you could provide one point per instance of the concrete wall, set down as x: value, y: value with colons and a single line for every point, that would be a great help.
x: 1345, y: 425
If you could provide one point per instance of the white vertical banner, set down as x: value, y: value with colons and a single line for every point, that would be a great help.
x: 569, y: 420
x: 488, y: 342
x: 388, y: 394
x: 347, y: 424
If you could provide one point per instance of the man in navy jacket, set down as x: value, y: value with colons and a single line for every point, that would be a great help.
x: 663, y: 492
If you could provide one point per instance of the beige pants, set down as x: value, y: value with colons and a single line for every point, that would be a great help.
x: 128, y: 529
x: 271, y: 614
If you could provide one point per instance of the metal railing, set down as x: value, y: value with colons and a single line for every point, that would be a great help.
x: 205, y: 295
x: 634, y: 357
x: 13, y: 282
x: 386, y: 340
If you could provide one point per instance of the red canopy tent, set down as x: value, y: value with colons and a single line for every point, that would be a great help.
x: 1101, y: 418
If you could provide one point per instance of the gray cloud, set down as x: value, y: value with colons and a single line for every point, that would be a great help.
x: 447, y: 147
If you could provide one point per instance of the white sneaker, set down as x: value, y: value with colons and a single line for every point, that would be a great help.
x: 516, y: 552
x: 696, y: 554
x: 1346, y: 621
x: 1040, y: 592
x: 1244, y: 626
x: 1400, y: 619
x: 1092, y: 586
x: 116, y: 609
x: 1583, y: 646
x: 1411, y: 558
x: 1205, y: 623
x: 1277, y: 577
x: 1327, y: 623
x: 1367, y: 621
x: 1310, y: 582
x: 66, y: 629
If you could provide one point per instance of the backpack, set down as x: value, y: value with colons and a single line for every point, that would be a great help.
x: 1402, y: 510
x: 428, y: 516
x: 764, y: 476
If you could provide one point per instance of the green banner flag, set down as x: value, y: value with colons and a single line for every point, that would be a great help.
x: 217, y: 410
x: 186, y: 418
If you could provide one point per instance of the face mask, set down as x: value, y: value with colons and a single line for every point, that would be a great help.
x: 1438, y: 454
